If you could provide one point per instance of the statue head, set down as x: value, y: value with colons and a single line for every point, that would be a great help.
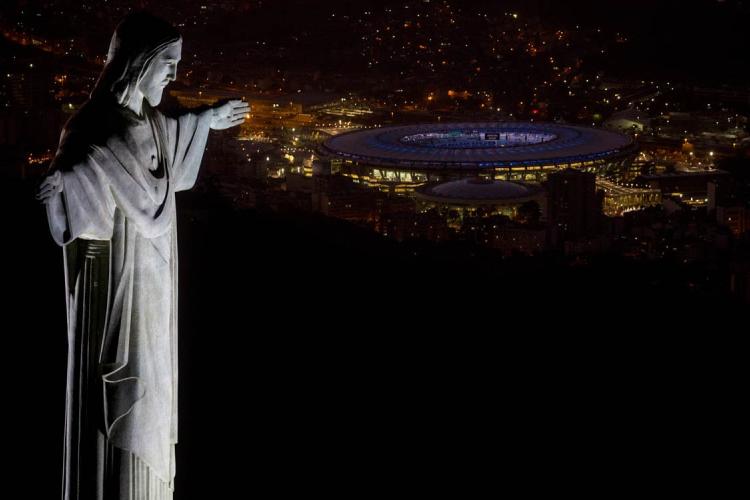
x: 160, y: 70
x: 141, y: 61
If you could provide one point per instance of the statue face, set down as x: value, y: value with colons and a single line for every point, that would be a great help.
x: 161, y: 70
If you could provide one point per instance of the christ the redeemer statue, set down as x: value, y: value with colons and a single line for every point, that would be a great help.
x: 110, y: 199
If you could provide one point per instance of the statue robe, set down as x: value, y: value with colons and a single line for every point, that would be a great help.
x: 115, y: 219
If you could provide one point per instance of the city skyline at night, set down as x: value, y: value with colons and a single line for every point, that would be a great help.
x: 417, y: 188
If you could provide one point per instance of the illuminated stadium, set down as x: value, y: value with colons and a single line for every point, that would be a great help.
x: 401, y: 158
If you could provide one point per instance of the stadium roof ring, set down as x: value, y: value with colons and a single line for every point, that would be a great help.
x: 479, y: 146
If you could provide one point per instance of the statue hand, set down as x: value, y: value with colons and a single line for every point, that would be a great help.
x: 229, y: 115
x: 51, y: 185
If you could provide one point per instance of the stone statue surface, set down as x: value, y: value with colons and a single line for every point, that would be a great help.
x: 110, y: 201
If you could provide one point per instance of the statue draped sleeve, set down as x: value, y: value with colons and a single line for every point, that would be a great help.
x: 86, y: 206
x: 115, y: 219
x: 187, y: 136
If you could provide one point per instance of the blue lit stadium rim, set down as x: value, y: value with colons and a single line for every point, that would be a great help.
x: 478, y: 145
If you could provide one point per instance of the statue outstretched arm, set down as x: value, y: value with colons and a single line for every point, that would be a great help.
x: 229, y: 114
x: 50, y: 186
x: 79, y: 203
x: 50, y: 194
x: 187, y: 135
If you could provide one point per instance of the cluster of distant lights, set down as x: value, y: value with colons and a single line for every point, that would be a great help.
x: 559, y: 35
x: 514, y: 15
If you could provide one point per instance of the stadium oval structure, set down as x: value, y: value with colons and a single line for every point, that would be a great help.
x: 522, y: 151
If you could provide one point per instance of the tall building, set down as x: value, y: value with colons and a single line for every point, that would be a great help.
x: 729, y: 203
x: 574, y: 207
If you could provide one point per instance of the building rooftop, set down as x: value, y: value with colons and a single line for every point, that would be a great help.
x: 477, y: 190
